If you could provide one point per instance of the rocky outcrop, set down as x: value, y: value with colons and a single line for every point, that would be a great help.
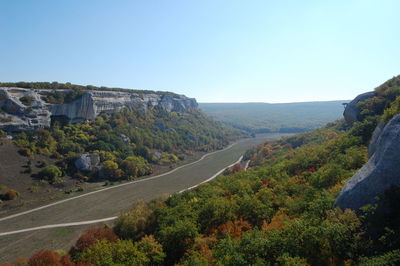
x: 22, y: 109
x: 352, y: 112
x: 374, y: 139
x: 379, y: 173
x: 36, y: 113
x: 87, y: 162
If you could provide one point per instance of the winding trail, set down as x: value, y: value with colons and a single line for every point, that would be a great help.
x: 57, y: 225
x: 98, y: 220
x: 116, y: 186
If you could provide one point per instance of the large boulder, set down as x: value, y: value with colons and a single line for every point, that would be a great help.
x: 87, y: 162
x: 379, y: 173
x: 352, y: 112
x: 374, y: 139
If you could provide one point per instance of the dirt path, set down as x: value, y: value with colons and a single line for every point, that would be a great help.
x: 107, y: 202
x: 93, y: 221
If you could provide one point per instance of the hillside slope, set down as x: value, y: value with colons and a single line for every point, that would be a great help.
x: 92, y: 134
x: 279, y: 212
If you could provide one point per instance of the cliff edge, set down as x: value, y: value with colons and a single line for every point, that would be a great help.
x: 27, y: 109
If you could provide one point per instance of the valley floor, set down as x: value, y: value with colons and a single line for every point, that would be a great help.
x: 109, y: 203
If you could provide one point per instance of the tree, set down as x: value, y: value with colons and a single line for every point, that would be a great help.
x: 49, y: 257
x: 177, y: 239
x: 153, y: 250
x: 135, y: 166
x: 90, y: 237
x: 120, y: 252
x: 134, y: 224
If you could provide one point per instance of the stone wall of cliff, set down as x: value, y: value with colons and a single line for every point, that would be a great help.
x: 17, y: 114
x: 382, y: 171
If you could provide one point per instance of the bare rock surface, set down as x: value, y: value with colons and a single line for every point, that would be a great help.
x: 19, y: 114
x: 87, y: 162
x: 380, y: 172
x: 352, y: 112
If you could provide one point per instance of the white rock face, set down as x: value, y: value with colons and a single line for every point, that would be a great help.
x: 16, y: 116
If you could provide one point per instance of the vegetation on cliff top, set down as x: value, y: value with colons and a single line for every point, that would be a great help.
x: 68, y: 86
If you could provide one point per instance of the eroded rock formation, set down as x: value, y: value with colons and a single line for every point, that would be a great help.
x: 380, y: 172
x: 25, y: 109
x: 352, y: 112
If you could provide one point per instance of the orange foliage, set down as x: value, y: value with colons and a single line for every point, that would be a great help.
x: 233, y: 229
x: 277, y: 222
x: 265, y: 182
x: 203, y: 245
x: 237, y: 167
x: 49, y: 257
x: 10, y: 195
x: 91, y: 236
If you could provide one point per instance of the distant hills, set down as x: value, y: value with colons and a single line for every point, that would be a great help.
x: 279, y: 117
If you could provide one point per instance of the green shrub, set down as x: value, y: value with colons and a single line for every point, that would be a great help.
x: 109, y: 169
x: 135, y: 223
x: 50, y: 173
x: 26, y: 100
x: 393, y: 110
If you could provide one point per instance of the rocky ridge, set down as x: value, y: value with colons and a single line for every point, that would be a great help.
x: 381, y: 172
x: 26, y: 109
x: 352, y: 112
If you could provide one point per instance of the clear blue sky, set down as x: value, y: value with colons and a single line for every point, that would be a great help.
x: 215, y: 51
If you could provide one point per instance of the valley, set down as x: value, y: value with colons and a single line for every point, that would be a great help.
x: 275, y: 117
x: 111, y: 202
x: 199, y: 133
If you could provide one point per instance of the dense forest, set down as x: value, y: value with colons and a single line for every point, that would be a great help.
x: 279, y: 117
x: 279, y: 212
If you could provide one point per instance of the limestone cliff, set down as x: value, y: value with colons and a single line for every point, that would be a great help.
x: 25, y: 109
x: 379, y: 173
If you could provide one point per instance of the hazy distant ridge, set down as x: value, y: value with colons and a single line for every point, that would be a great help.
x: 276, y: 117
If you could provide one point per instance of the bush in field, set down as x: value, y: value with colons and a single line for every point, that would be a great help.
x: 10, y: 195
x: 50, y: 173
x: 25, y: 152
x: 135, y: 166
x: 109, y: 169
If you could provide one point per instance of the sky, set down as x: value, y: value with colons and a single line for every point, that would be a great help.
x: 213, y: 50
